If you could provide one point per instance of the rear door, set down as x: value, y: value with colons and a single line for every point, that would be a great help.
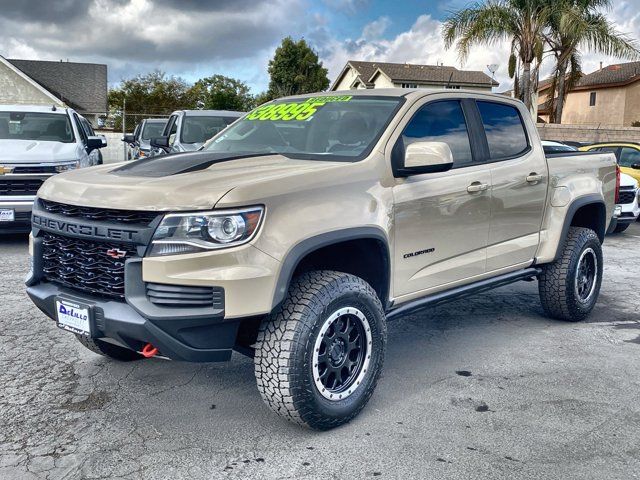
x: 519, y: 179
x: 441, y: 219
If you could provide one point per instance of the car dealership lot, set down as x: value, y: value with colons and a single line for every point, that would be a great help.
x: 484, y: 387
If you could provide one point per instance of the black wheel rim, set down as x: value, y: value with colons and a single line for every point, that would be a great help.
x: 342, y: 353
x: 586, y: 275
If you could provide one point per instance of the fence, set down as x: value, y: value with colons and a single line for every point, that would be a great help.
x: 588, y: 133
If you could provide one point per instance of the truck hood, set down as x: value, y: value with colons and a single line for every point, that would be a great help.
x: 185, y: 181
x: 35, y: 151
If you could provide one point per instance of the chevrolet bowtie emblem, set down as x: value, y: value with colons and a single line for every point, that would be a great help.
x: 5, y: 170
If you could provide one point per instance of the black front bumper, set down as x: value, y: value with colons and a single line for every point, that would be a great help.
x: 179, y: 333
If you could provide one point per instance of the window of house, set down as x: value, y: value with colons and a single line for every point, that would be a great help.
x: 452, y: 87
x: 441, y: 122
x: 629, y: 156
x: 592, y: 99
x: 409, y: 85
x: 506, y: 134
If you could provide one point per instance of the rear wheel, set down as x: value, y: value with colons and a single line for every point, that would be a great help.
x: 318, y: 358
x: 107, y: 349
x: 569, y: 287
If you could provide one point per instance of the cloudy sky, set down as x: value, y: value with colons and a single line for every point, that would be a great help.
x: 196, y: 38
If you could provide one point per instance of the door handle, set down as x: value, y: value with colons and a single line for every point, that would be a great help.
x: 534, y: 178
x: 477, y: 187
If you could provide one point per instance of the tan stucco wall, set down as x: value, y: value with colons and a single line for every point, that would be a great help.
x: 16, y: 90
x: 608, y: 110
x: 632, y: 107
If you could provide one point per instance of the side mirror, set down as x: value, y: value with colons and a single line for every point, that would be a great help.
x: 129, y: 138
x: 104, y: 140
x: 635, y: 166
x: 160, y: 142
x: 93, y: 143
x: 426, y: 157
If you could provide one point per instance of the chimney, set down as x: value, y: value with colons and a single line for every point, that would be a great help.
x: 600, y: 65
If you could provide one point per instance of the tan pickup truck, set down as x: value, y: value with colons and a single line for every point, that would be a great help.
x: 294, y: 234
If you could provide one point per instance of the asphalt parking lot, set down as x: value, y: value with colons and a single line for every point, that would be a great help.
x: 485, y: 387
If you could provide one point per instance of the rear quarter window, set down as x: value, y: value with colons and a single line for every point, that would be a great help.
x: 505, y: 131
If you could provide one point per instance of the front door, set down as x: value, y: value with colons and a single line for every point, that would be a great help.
x: 441, y: 219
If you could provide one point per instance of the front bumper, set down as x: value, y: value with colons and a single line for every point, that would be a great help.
x: 22, y: 207
x: 193, y: 334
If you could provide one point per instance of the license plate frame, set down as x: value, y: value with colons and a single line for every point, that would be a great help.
x: 74, y: 316
x: 7, y: 215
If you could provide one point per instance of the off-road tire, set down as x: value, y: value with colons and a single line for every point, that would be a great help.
x: 557, y: 283
x: 621, y: 227
x: 286, y: 343
x: 108, y: 349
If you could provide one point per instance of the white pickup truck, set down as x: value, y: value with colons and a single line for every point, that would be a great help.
x: 37, y: 142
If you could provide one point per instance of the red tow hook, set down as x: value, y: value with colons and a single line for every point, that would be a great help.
x: 149, y: 351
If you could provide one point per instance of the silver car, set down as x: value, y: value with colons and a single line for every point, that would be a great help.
x: 187, y: 130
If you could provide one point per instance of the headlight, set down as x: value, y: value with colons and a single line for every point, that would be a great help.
x: 67, y: 166
x: 180, y: 233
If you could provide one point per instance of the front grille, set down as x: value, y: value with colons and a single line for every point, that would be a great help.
x: 185, y: 296
x: 36, y: 170
x: 100, y: 214
x: 84, y: 264
x: 627, y: 196
x: 19, y: 186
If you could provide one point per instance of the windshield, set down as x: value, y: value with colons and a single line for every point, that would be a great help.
x: 152, y: 130
x: 50, y: 127
x: 342, y: 128
x: 200, y: 129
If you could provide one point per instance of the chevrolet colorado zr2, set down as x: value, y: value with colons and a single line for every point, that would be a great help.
x: 294, y: 234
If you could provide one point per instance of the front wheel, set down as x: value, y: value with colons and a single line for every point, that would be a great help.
x: 569, y: 286
x: 319, y: 356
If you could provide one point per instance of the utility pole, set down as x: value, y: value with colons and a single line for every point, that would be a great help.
x: 124, y: 118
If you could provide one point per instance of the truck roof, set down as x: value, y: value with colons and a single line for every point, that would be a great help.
x: 33, y: 108
x: 211, y: 113
x: 404, y: 92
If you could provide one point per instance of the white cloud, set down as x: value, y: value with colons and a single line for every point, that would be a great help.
x: 422, y: 44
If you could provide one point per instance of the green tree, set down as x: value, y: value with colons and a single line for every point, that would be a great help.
x: 154, y: 93
x: 575, y: 24
x: 521, y: 22
x: 223, y: 93
x: 295, y: 69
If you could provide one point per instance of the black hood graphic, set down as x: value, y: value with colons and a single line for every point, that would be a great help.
x: 178, y: 163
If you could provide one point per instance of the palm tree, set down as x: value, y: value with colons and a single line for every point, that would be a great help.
x: 574, y: 24
x: 522, y: 22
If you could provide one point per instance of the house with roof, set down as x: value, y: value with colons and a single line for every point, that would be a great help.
x: 81, y: 86
x: 608, y: 96
x: 356, y: 74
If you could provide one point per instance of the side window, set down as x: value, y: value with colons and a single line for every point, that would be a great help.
x: 81, y: 131
x: 441, y: 122
x: 506, y: 134
x: 174, y: 127
x: 171, y: 126
x: 88, y: 129
x: 629, y: 156
x: 592, y: 99
x: 613, y: 150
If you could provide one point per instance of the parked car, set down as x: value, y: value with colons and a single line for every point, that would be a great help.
x: 627, y: 153
x: 550, y: 147
x: 139, y: 140
x: 36, y: 143
x: 627, y: 200
x: 187, y: 130
x: 296, y: 232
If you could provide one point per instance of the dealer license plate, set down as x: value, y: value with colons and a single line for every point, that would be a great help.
x: 73, y: 317
x: 7, y: 215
